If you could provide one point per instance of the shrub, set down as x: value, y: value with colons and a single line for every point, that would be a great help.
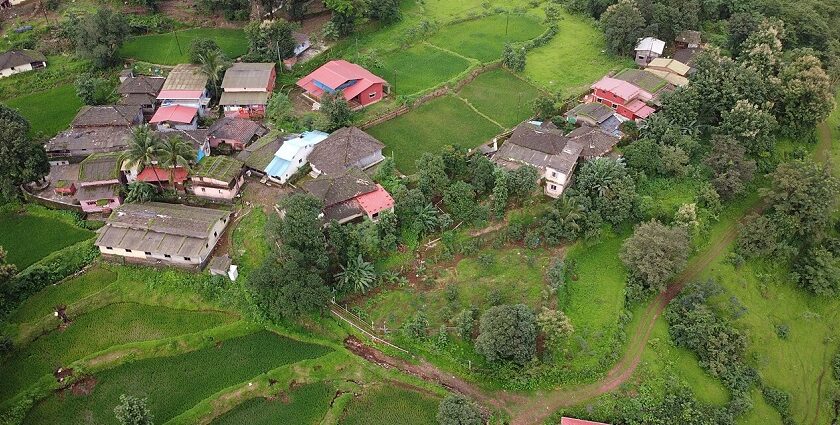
x: 417, y: 327
x: 507, y: 333
x: 458, y: 410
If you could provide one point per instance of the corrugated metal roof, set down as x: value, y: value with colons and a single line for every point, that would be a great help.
x: 243, y: 98
x: 248, y: 76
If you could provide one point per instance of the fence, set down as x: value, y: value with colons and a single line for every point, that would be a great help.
x: 370, y: 335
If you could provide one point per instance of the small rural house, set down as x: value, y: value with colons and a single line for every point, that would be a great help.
x: 17, y: 61
x: 671, y: 70
x: 259, y: 154
x: 572, y: 421
x: 158, y: 233
x: 545, y: 147
x: 596, y: 115
x: 359, y: 86
x: 199, y: 139
x: 175, y: 117
x: 186, y: 86
x: 217, y: 177
x: 302, y: 44
x: 648, y: 49
x: 627, y: 99
x: 292, y: 155
x: 77, y: 143
x: 350, y: 196
x: 159, y: 176
x: 688, y: 40
x: 247, y: 87
x: 235, y: 133
x: 344, y: 149
x: 100, y: 180
x: 108, y: 116
x: 140, y: 91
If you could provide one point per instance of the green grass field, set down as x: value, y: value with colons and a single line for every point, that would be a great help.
x: 447, y: 9
x: 419, y: 68
x: 440, y: 122
x: 47, y: 118
x: 28, y: 237
x: 484, y: 38
x: 573, y: 60
x: 391, y: 405
x: 501, y: 96
x: 175, y: 384
x: 163, y: 49
x: 43, y: 303
x: 305, y: 406
x: 95, y: 331
x: 249, y: 240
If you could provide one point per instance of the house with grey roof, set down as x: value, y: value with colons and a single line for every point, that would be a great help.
x: 648, y: 49
x: 344, y: 149
x: 17, y: 61
x: 217, y: 177
x: 77, y: 143
x: 555, y: 154
x: 597, y: 115
x: 350, y: 196
x: 247, y: 87
x: 99, y: 183
x: 141, y: 91
x: 235, y: 132
x: 108, y: 116
x: 159, y: 233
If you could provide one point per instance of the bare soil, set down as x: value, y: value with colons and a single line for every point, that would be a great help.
x: 83, y: 386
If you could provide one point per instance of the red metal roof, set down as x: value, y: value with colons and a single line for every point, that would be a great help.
x: 178, y: 113
x: 376, y: 201
x: 621, y: 88
x: 335, y: 73
x: 154, y: 174
x: 573, y: 421
x: 640, y: 108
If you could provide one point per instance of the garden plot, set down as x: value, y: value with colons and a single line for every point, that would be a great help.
x: 391, y: 405
x: 43, y: 303
x: 485, y: 38
x: 304, y: 406
x: 440, y: 122
x: 173, y: 384
x: 48, y: 118
x: 419, y: 68
x: 174, y: 47
x: 32, y: 235
x: 501, y: 96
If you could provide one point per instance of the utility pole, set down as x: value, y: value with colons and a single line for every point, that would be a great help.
x: 507, y: 23
x: 178, y: 42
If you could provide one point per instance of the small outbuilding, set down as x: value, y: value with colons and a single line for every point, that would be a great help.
x: 17, y: 61
x: 648, y: 49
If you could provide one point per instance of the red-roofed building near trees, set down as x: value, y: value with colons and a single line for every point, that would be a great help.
x: 359, y: 86
x: 573, y: 421
x: 160, y: 176
x: 175, y: 117
x: 628, y: 100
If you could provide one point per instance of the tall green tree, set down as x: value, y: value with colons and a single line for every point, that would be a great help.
x: 213, y: 64
x: 270, y: 41
x: 345, y: 13
x: 610, y: 189
x: 731, y: 167
x: 6, y: 270
x: 98, y: 36
x: 457, y: 410
x: 752, y: 126
x: 202, y: 47
x: 175, y: 153
x: 514, y: 57
x: 386, y: 11
x: 133, y: 411
x: 655, y: 253
x: 431, y: 173
x: 460, y: 202
x: 802, y: 197
x: 507, y: 333
x: 623, y: 24
x: 357, y: 275
x: 807, y: 97
x: 336, y: 110
x: 144, y: 149
x: 21, y: 160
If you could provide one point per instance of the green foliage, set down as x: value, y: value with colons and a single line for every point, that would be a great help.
x: 202, y: 47
x: 21, y: 161
x: 607, y: 188
x: 459, y: 199
x: 432, y: 177
x: 386, y: 11
x: 270, y: 42
x: 458, y: 410
x: 133, y: 411
x: 562, y: 222
x: 140, y: 192
x: 307, y: 404
x: 801, y: 197
x: 513, y: 58
x: 643, y: 155
x: 344, y: 16
x: 233, y: 10
x: 94, y: 90
x: 465, y: 322
x: 280, y: 113
x: 507, y: 333
x: 336, y: 110
x: 98, y: 36
x: 554, y: 325
x: 654, y: 254
x: 417, y: 328
x: 780, y: 401
x: 751, y: 126
x: 391, y: 404
x: 623, y: 24
x: 358, y: 275
x: 731, y: 169
x: 817, y: 269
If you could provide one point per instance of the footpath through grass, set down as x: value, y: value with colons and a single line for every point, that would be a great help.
x: 391, y: 405
x: 501, y: 96
x: 97, y: 330
x: 32, y: 235
x: 49, y: 111
x: 175, y: 384
x: 174, y: 47
x: 303, y: 406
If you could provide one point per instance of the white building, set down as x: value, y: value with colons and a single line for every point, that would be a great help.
x: 17, y: 61
x: 292, y: 155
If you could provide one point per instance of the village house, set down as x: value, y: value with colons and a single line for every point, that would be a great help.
x: 648, y: 49
x: 671, y: 70
x: 687, y: 40
x: 175, y: 117
x: 596, y: 115
x: 292, y: 155
x: 259, y: 154
x: 100, y: 180
x: 572, y: 421
x: 350, y: 196
x: 158, y: 233
x: 625, y: 98
x: 545, y: 147
x: 140, y: 91
x: 186, y: 86
x: 344, y: 149
x: 247, y: 87
x: 217, y: 177
x: 159, y: 176
x: 17, y: 61
x: 359, y: 86
x: 95, y: 129
x: 199, y: 139
x: 234, y: 133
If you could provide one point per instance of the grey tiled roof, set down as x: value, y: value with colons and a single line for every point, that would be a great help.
x: 336, y: 189
x: 107, y: 116
x: 342, y: 149
x: 14, y: 58
x: 248, y: 75
x: 236, y: 129
x: 141, y: 85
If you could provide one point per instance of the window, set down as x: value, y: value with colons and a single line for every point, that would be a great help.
x: 203, y: 189
x: 148, y: 253
x: 187, y: 259
x: 167, y: 256
x: 553, y: 174
x: 109, y: 248
x: 300, y: 161
x: 215, y: 233
x: 372, y: 95
x: 127, y: 250
x: 553, y: 187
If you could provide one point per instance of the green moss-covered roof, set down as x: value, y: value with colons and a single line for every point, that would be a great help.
x: 100, y: 167
x: 218, y: 167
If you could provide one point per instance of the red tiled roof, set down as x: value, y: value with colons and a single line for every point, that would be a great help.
x: 153, y: 174
x: 376, y: 201
x: 337, y: 72
x: 573, y: 421
x: 177, y: 113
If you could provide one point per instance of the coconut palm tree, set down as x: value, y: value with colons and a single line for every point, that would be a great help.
x: 143, y: 150
x: 140, y: 192
x: 213, y: 64
x: 175, y: 152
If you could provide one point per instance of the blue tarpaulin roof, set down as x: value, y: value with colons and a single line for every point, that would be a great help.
x: 276, y: 167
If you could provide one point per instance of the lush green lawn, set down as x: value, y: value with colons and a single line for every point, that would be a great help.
x: 249, y: 240
x: 419, y: 68
x: 305, y: 406
x: 163, y: 48
x: 501, y: 96
x: 175, y: 384
x: 48, y: 111
x: 484, y: 38
x: 447, y: 9
x: 440, y: 122
x: 573, y: 60
x: 661, y: 197
x: 95, y: 331
x: 391, y: 405
x: 30, y: 236
x: 43, y: 303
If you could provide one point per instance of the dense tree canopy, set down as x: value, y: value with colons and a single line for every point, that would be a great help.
x: 458, y: 410
x: 623, y: 24
x: 21, y: 160
x: 270, y: 41
x: 507, y: 333
x: 98, y: 36
x: 802, y: 197
x: 655, y: 253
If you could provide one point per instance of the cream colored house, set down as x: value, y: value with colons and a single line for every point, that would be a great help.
x: 17, y: 61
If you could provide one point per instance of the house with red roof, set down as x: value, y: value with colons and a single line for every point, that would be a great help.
x: 359, y: 86
x: 175, y: 117
x: 350, y: 196
x: 572, y: 421
x: 628, y: 100
x: 159, y: 176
